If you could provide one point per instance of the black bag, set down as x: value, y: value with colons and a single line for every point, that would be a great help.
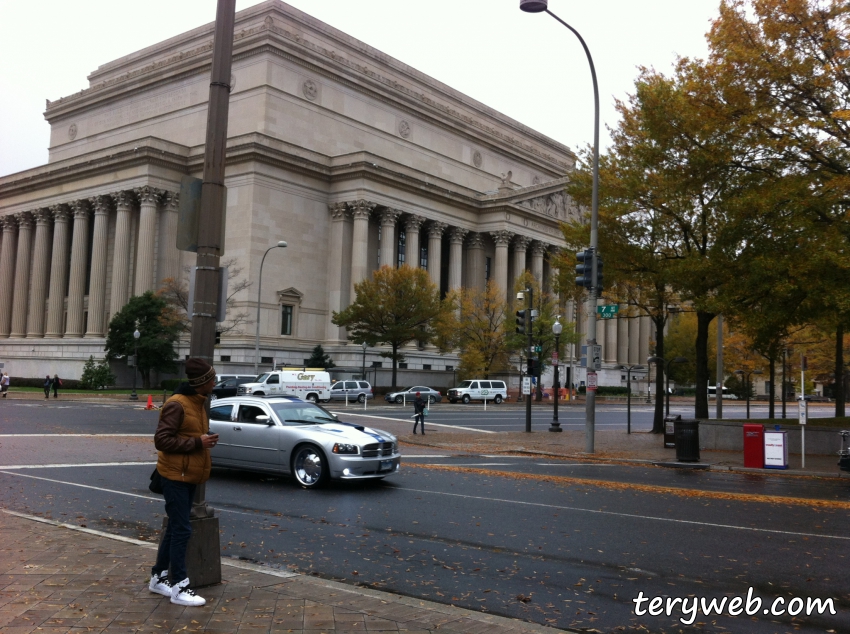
x: 156, y: 482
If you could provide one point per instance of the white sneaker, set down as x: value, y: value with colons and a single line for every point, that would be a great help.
x: 181, y: 594
x: 160, y: 584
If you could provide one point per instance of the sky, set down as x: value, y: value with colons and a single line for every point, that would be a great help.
x: 527, y: 66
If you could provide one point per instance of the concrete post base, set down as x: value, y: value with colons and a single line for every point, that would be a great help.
x: 203, y: 554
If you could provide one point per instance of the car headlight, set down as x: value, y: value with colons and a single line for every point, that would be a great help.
x: 342, y: 448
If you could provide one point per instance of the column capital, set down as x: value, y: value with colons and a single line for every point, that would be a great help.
x: 337, y: 211
x: 475, y: 240
x: 521, y: 243
x: 553, y: 251
x: 123, y: 200
x: 413, y: 223
x: 24, y: 219
x: 8, y: 222
x: 361, y: 209
x: 501, y: 237
x: 457, y: 235
x: 389, y: 216
x: 171, y: 200
x: 100, y: 204
x: 539, y: 248
x: 81, y: 209
x: 60, y: 213
x: 148, y: 195
x: 435, y: 229
x: 43, y: 216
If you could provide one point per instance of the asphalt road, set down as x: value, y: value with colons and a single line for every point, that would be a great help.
x: 558, y: 543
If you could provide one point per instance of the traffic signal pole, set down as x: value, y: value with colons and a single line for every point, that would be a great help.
x: 530, y: 368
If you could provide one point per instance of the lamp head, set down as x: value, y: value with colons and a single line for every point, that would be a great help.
x: 738, y: 372
x: 557, y: 328
x: 757, y: 372
x: 136, y: 334
x: 533, y: 6
x: 281, y: 243
x: 655, y: 360
x: 364, y: 346
x: 680, y: 360
x: 520, y: 296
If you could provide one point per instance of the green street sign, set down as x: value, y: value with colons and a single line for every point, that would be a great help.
x: 609, y: 311
x: 538, y: 349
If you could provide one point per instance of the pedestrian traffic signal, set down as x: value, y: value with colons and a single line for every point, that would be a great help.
x: 584, y: 268
x: 520, y: 322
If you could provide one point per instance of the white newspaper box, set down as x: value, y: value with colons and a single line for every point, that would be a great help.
x: 775, y: 449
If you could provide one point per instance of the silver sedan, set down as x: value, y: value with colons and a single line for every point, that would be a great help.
x: 290, y: 436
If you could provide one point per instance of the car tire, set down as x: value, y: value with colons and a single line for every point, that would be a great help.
x: 309, y: 466
x: 213, y: 397
x: 399, y: 400
x: 432, y: 399
x: 257, y: 394
x: 466, y: 399
x: 361, y: 398
x: 497, y: 399
x: 312, y: 398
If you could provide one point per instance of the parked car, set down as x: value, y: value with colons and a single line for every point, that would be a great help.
x: 479, y: 390
x: 228, y: 386
x: 223, y: 377
x: 353, y: 390
x: 409, y: 395
x: 286, y: 435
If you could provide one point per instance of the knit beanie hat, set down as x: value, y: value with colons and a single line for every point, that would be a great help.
x: 199, y: 372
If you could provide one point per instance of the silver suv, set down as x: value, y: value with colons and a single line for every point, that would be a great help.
x: 352, y: 390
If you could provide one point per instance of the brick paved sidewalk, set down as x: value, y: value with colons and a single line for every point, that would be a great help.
x: 55, y: 580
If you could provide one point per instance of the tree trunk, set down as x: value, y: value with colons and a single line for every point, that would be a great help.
x: 658, y: 420
x: 839, y: 370
x: 771, y: 408
x: 701, y: 351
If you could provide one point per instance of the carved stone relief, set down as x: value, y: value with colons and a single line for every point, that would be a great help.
x: 310, y: 89
x: 476, y: 158
x: 404, y: 129
x: 552, y: 205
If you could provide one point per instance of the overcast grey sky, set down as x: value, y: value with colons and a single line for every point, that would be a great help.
x: 527, y: 66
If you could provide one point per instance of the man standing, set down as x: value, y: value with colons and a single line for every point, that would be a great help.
x: 183, y: 443
x: 4, y: 384
x: 419, y: 405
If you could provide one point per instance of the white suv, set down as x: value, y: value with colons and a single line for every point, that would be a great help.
x: 479, y: 390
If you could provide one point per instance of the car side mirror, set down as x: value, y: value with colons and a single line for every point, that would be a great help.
x: 263, y: 418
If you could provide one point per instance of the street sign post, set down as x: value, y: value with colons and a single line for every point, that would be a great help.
x: 526, y: 386
x: 608, y: 312
x: 591, y: 381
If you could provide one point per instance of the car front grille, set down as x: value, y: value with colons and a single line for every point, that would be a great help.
x: 240, y: 390
x: 377, y: 449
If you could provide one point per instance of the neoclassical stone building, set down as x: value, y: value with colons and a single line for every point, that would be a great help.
x: 352, y: 157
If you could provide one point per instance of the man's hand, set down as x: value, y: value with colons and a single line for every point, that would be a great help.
x: 209, y: 440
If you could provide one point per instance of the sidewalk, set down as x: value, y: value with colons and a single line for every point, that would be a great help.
x: 56, y: 580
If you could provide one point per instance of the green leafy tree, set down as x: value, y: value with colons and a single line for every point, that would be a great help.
x: 394, y: 307
x: 96, y: 375
x: 319, y: 359
x: 159, y: 330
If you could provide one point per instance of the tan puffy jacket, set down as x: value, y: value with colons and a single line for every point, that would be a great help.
x: 180, y: 454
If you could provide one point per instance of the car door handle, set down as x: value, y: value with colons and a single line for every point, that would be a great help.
x: 237, y: 429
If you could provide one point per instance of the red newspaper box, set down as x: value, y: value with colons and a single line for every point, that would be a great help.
x: 754, y: 446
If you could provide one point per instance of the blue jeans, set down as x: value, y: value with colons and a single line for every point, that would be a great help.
x: 172, y: 548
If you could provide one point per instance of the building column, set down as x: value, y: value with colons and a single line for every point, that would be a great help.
x: 475, y: 277
x: 145, y: 261
x: 169, y: 256
x: 121, y: 253
x: 7, y: 272
x: 360, y: 211
x: 40, y: 274
x: 22, y: 276
x: 79, y: 264
x: 622, y: 336
x: 634, y: 341
x: 520, y: 245
x: 412, y: 226
x: 500, y: 266
x: 58, y: 273
x: 97, y: 285
x: 456, y: 236
x: 435, y: 250
x: 647, y: 332
x: 338, y: 214
x: 538, y: 250
x: 388, y: 218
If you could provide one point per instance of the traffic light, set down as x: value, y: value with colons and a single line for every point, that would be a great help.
x: 584, y: 268
x: 599, y: 279
x: 520, y: 322
x: 217, y: 337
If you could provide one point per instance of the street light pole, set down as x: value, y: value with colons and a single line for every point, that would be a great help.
x: 666, y: 365
x: 538, y: 6
x: 363, y: 366
x: 136, y: 335
x: 747, y: 376
x: 279, y: 245
x: 628, y: 369
x: 557, y: 328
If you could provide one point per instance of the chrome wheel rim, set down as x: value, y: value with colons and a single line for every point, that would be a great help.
x: 308, y: 466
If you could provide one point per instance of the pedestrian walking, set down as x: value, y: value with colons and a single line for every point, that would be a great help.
x: 419, y: 405
x: 57, y: 383
x: 4, y: 384
x: 183, y: 443
x: 47, y: 383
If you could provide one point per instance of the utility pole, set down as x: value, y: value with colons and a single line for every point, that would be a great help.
x: 529, y: 323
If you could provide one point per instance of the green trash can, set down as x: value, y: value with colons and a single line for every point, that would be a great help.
x: 686, y: 431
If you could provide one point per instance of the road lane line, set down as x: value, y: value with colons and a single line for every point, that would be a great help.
x: 73, y: 435
x: 402, y: 420
x: 627, y: 515
x: 86, y: 464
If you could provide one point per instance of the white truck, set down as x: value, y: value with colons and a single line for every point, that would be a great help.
x: 311, y: 384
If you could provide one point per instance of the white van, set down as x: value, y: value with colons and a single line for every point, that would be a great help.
x: 310, y: 384
x: 479, y: 390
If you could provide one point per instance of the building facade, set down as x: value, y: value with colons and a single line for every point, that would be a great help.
x: 352, y: 157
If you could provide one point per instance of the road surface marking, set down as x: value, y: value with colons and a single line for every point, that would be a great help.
x: 87, y: 464
x: 402, y: 420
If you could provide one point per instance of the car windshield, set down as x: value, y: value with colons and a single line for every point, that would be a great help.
x: 302, y: 413
x: 465, y: 384
x: 262, y: 378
